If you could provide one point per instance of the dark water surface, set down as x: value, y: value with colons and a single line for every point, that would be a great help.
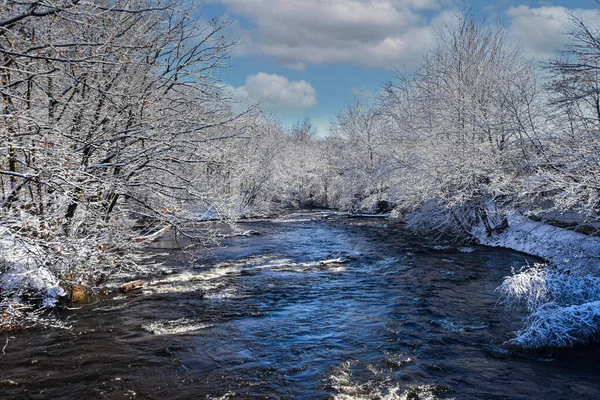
x: 406, y: 318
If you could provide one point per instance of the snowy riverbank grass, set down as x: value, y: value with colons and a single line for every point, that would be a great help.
x: 564, y: 308
x: 555, y: 326
x: 534, y: 288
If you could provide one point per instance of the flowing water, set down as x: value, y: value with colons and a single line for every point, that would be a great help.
x: 404, y: 318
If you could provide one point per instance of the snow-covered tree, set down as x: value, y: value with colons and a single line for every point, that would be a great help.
x: 457, y: 120
x: 362, y: 160
x: 574, y: 91
x: 110, y: 112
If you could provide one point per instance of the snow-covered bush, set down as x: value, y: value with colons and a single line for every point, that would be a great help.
x: 564, y: 308
x: 532, y: 288
x: 555, y: 326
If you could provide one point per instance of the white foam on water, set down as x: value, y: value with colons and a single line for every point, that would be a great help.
x: 189, y: 282
x: 211, y: 274
x: 183, y: 287
x: 291, y: 220
x: 257, y: 259
x: 334, y: 268
x: 459, y: 326
x: 398, y: 360
x: 175, y: 327
x: 426, y: 392
x: 374, y: 390
x: 228, y: 293
x: 288, y: 265
x: 348, y: 389
x: 226, y: 396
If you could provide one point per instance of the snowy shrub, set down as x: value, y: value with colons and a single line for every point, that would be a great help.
x: 533, y: 288
x: 565, y: 308
x: 557, y: 326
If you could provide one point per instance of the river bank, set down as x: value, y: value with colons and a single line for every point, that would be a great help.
x: 562, y: 295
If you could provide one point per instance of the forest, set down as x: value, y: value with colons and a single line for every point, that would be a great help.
x: 116, y: 128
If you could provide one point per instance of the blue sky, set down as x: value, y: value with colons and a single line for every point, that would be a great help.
x: 308, y: 58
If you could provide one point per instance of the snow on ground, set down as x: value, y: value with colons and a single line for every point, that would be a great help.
x: 561, y: 247
x: 562, y: 296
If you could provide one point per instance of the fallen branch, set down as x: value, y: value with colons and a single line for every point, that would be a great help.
x: 334, y: 261
x: 128, y: 287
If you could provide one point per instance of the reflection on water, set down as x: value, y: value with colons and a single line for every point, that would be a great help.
x: 402, y: 318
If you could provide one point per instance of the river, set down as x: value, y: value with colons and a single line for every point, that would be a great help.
x: 406, y: 317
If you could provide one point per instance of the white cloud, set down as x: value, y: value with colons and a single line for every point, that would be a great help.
x: 373, y: 33
x: 378, y: 33
x: 541, y: 31
x: 275, y: 92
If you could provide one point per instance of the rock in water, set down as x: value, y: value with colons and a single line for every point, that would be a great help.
x: 79, y: 295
